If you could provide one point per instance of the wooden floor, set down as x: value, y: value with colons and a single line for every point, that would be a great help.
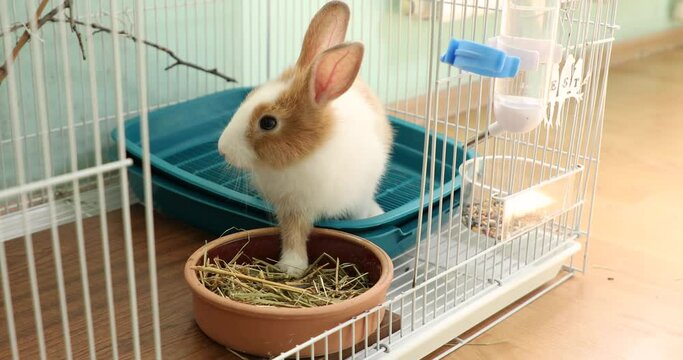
x: 175, y: 242
x: 628, y: 306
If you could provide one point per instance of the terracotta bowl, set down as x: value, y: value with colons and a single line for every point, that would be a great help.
x: 269, y: 331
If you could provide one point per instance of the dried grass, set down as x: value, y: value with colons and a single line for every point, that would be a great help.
x: 259, y: 282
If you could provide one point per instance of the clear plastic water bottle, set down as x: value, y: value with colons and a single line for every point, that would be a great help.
x: 528, y: 30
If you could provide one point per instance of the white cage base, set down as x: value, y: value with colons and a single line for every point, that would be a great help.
x: 481, y: 306
x: 468, y: 279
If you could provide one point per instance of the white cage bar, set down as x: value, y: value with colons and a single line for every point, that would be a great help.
x: 62, y: 96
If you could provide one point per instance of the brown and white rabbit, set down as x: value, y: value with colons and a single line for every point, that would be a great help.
x: 316, y: 140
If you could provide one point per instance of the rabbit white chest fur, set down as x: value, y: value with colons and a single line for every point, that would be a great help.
x: 341, y: 177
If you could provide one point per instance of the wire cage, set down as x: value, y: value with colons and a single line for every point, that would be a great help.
x: 74, y: 71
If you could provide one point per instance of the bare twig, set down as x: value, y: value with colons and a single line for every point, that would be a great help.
x: 13, y: 28
x: 50, y: 17
x: 74, y: 29
x: 27, y: 25
x: 27, y: 34
x: 169, y: 52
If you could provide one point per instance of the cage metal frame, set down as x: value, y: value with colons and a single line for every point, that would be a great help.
x: 438, y: 289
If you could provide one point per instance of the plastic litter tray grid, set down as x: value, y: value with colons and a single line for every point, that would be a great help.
x: 398, y: 186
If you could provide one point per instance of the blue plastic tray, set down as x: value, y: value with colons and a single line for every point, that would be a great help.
x: 183, y: 154
x: 211, y: 215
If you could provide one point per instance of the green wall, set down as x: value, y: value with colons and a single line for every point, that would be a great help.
x: 642, y: 17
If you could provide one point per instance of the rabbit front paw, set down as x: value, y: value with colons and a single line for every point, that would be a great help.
x: 368, y: 210
x: 292, y: 264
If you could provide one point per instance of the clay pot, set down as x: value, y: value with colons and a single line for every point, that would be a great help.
x: 269, y: 331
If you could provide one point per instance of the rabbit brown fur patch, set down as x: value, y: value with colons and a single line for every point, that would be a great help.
x: 303, y: 126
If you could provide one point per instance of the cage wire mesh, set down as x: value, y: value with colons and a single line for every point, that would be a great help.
x: 66, y: 90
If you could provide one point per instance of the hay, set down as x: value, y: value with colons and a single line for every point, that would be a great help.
x: 258, y: 282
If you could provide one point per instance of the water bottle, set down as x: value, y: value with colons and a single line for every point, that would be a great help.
x: 529, y: 31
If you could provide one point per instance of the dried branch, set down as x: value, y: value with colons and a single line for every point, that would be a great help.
x: 27, y: 34
x: 74, y: 29
x: 13, y: 28
x: 40, y: 23
x: 50, y: 17
x: 169, y: 52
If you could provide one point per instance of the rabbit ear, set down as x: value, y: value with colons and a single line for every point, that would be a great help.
x: 334, y: 71
x: 327, y: 29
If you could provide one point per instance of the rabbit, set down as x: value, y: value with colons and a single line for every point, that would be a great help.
x: 315, y: 140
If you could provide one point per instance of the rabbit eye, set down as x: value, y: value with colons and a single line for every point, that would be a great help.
x: 267, y: 123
